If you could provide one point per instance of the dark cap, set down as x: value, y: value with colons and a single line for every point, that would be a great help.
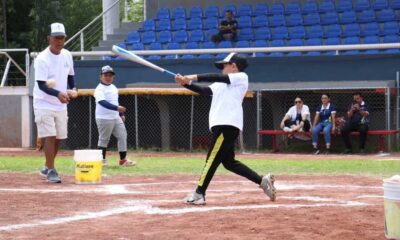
x: 107, y: 69
x: 240, y: 62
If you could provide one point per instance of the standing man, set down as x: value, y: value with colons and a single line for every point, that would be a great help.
x: 54, y: 70
x: 358, y: 120
x: 225, y: 121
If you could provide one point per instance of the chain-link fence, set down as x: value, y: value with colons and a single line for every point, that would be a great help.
x: 180, y: 122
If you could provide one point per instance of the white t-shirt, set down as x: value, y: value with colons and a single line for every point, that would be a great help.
x: 50, y: 66
x: 304, y: 110
x: 110, y: 94
x: 226, y: 105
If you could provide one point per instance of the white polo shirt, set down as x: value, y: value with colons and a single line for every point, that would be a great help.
x: 226, y: 105
x: 110, y: 94
x: 50, y: 66
x: 304, y: 110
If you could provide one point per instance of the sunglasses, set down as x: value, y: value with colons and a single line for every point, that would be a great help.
x: 297, y: 101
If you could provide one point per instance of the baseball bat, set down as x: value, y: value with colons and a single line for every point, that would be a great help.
x: 135, y: 58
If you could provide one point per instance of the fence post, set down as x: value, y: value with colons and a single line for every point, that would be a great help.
x: 191, y: 125
x: 90, y: 122
x: 126, y: 9
x: 387, y: 100
x: 259, y: 119
x: 82, y: 45
x: 397, y: 107
x: 136, y: 123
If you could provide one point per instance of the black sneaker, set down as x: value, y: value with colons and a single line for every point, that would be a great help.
x: 52, y: 176
x: 43, y: 172
x: 316, y: 151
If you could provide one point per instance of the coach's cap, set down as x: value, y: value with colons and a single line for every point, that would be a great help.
x: 107, y: 69
x: 57, y: 29
x: 241, y: 63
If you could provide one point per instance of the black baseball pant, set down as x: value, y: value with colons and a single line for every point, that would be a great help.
x: 222, y: 150
x: 352, y: 126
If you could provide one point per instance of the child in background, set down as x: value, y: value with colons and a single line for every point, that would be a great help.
x: 110, y: 116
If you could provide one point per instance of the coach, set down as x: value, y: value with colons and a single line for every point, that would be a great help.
x: 53, y: 72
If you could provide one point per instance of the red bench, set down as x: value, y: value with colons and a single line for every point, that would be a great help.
x: 380, y: 133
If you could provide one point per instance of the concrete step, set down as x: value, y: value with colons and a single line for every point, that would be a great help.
x: 109, y: 43
x: 116, y: 37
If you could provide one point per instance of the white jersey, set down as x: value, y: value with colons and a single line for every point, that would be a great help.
x: 110, y: 94
x: 226, y: 106
x: 304, y: 110
x: 49, y: 66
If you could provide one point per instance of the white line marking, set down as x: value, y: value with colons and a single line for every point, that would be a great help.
x: 370, y: 196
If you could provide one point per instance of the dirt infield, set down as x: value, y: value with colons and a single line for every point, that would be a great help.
x: 307, y: 207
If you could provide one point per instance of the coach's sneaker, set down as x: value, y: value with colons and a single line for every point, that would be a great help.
x: 267, y: 184
x: 43, y: 172
x: 195, y: 199
x: 52, y: 176
x: 126, y: 163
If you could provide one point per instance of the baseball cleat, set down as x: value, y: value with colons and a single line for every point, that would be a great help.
x: 267, y: 185
x: 195, y: 199
x: 43, y: 172
x: 126, y: 163
x: 52, y: 176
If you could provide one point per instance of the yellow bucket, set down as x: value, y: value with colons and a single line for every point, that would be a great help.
x: 88, y: 166
x: 391, y: 189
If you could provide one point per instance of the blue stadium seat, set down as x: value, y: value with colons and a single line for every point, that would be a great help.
x: 277, y: 8
x: 137, y: 47
x: 196, y: 12
x: 293, y: 43
x: 172, y: 46
x: 211, y: 11
x: 327, y: 6
x: 362, y: 5
x: 165, y: 37
x: 149, y: 37
x: 293, y: 8
x: 352, y: 30
x: 187, y: 56
x: 261, y: 9
x: 148, y: 25
x: 314, y: 42
x: 246, y: 34
x: 392, y: 51
x: 262, y: 34
x: 260, y: 44
x: 210, y: 33
x: 197, y: 36
x: 315, y: 31
x: 371, y: 40
x: 206, y: 56
x: 208, y: 45
x: 163, y: 13
x: 244, y: 22
x: 245, y: 10
x: 351, y: 40
x: 277, y: 20
x: 390, y: 28
x: 310, y: 7
x: 344, y: 5
x: 155, y: 46
x: 211, y: 22
x: 225, y: 44
x: 386, y: 15
x: 243, y: 44
x: 164, y: 24
x: 195, y: 23
x: 391, y: 39
x: 366, y: 16
x: 277, y: 43
x: 179, y: 12
x: 332, y: 41
x: 122, y: 45
x: 294, y: 19
x: 395, y: 5
x: 180, y: 36
x: 221, y: 55
x: 280, y: 33
x: 297, y: 32
x: 133, y: 37
x: 260, y: 21
x: 179, y: 24
x: 312, y: 19
x: 192, y: 45
x: 333, y: 31
x: 371, y: 29
x: 229, y: 7
x: 330, y: 18
x: 348, y: 17
x: 154, y: 57
x: 171, y: 56
x: 380, y: 4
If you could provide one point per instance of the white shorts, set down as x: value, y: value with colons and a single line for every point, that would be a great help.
x: 51, y: 123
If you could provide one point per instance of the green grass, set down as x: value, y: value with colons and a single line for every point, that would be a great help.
x: 193, y: 166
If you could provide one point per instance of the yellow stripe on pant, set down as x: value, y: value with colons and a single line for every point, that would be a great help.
x: 210, y: 160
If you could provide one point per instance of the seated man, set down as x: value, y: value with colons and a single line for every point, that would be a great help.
x: 297, y: 119
x: 358, y: 120
x: 227, y: 29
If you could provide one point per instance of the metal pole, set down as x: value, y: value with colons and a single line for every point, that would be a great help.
x: 5, y: 73
x: 397, y: 106
x: 191, y: 125
x: 27, y: 65
x: 136, y: 123
x: 90, y: 122
x: 387, y: 93
x: 144, y: 9
x: 259, y: 123
x: 82, y: 45
x: 126, y: 9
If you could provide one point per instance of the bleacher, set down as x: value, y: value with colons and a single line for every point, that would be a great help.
x: 276, y: 25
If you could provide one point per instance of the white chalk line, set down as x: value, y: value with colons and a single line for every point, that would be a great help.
x: 141, y: 206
